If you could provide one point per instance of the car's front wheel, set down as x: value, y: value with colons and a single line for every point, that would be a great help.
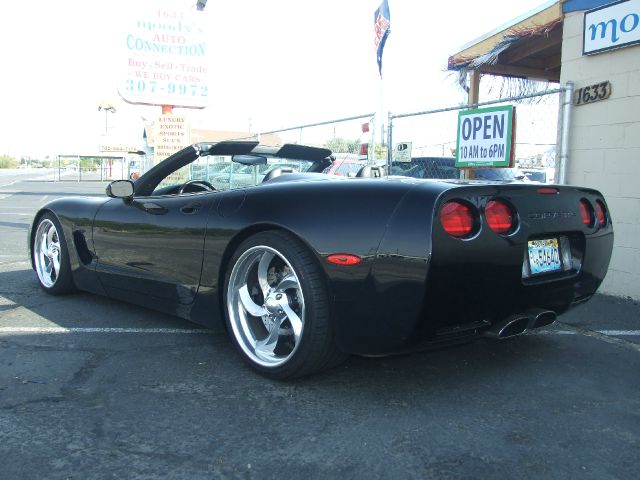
x: 50, y: 256
x: 277, y: 307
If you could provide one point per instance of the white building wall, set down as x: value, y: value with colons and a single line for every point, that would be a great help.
x: 604, y: 151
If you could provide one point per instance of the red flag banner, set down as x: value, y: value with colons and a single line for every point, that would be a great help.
x: 382, y: 23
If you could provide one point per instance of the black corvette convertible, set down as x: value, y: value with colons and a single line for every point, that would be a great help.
x: 304, y: 268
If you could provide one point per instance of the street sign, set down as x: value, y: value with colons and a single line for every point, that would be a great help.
x: 486, y: 137
x: 402, y: 152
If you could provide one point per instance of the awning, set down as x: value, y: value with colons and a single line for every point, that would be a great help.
x: 528, y: 47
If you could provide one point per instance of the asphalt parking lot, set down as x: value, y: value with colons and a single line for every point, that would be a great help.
x: 90, y: 388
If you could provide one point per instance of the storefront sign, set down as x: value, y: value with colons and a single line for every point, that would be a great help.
x: 486, y: 137
x: 613, y: 26
x: 164, y: 58
x: 118, y: 148
x: 171, y: 134
x: 402, y: 152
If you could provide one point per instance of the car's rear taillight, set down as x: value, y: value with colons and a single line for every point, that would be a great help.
x: 457, y: 219
x: 499, y: 216
x: 601, y: 213
x: 586, y: 212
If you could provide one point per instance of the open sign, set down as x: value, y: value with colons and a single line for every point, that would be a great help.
x: 486, y: 137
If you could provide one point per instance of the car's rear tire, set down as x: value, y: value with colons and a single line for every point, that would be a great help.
x: 277, y: 307
x: 51, y: 257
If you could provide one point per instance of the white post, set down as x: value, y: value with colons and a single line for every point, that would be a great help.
x: 380, y: 123
x: 565, y: 113
x: 389, y: 142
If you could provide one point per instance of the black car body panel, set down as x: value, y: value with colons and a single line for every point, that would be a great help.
x: 416, y: 285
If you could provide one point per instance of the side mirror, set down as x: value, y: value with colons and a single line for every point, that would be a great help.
x: 120, y: 189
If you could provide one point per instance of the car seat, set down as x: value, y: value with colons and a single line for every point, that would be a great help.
x: 276, y: 172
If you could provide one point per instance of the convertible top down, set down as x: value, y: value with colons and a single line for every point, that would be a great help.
x: 303, y: 268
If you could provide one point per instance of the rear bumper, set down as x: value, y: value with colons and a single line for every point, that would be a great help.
x: 441, y: 290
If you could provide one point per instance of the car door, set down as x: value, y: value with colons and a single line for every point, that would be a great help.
x: 150, y: 249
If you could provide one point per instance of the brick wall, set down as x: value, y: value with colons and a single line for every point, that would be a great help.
x: 604, y: 151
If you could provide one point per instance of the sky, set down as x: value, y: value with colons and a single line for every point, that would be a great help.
x: 274, y: 64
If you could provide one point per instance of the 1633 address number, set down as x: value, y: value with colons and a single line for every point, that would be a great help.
x: 592, y: 93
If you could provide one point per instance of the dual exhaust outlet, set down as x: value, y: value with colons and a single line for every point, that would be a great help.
x: 518, y: 323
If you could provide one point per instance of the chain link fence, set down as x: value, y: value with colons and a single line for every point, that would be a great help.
x: 99, y: 169
x: 541, y: 127
x: 348, y: 138
x: 433, y: 136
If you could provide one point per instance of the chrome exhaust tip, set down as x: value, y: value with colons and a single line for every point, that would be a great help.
x: 510, y: 327
x: 541, y: 317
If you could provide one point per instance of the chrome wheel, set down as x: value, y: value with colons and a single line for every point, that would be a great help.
x: 47, y: 253
x: 265, y: 305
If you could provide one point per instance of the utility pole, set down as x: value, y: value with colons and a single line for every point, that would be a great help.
x: 107, y: 108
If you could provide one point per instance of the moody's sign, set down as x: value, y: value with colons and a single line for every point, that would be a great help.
x: 612, y: 26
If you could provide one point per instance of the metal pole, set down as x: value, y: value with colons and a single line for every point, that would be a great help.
x: 79, y: 169
x: 389, y: 142
x: 564, y: 134
x: 371, y: 151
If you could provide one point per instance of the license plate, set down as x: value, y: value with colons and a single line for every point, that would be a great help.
x: 544, y: 256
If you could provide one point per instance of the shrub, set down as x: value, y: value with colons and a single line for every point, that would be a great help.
x: 8, y: 162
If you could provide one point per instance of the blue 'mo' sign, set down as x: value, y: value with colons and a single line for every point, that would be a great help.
x: 485, y: 137
x: 613, y: 26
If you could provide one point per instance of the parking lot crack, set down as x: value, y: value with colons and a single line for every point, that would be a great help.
x: 35, y: 401
x: 85, y: 372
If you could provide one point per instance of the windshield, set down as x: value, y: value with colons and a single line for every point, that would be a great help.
x: 224, y: 174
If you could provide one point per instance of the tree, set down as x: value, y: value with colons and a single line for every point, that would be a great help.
x: 342, y: 145
x: 8, y: 162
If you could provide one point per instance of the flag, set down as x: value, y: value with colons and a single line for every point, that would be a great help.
x: 381, y: 26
